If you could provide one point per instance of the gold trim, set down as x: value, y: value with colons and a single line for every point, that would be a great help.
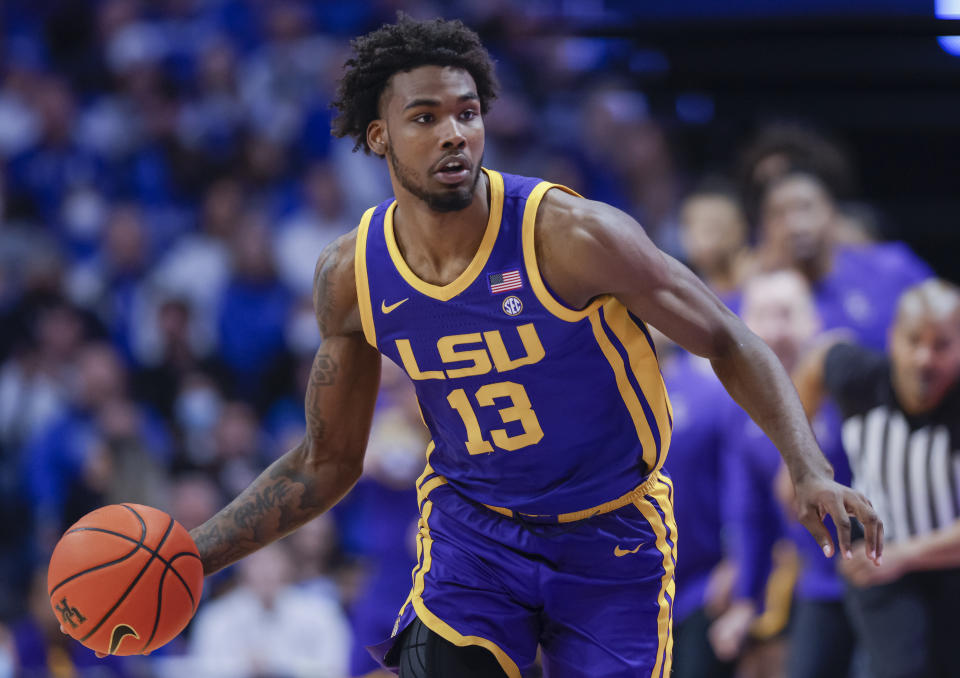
x: 629, y: 396
x: 667, y: 581
x: 363, y: 284
x: 630, y: 497
x: 646, y: 369
x: 553, y: 305
x: 427, y: 470
x: 470, y: 273
x: 442, y: 628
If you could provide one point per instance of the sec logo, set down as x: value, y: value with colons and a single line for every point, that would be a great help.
x: 512, y: 305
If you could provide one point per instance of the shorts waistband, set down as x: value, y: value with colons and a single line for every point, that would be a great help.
x: 612, y: 505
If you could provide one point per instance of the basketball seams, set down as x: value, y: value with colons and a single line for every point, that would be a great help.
x: 137, y: 547
x: 143, y: 537
x: 169, y: 568
x: 154, y: 555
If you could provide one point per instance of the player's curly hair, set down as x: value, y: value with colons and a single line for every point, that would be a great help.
x: 403, y: 46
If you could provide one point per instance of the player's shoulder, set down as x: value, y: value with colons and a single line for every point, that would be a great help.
x: 335, y: 287
x: 578, y: 221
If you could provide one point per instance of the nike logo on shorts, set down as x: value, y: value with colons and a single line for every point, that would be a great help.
x: 619, y: 552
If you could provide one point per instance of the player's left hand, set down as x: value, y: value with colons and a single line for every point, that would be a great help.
x: 861, y: 572
x: 820, y: 496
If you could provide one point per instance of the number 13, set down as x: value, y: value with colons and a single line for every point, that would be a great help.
x: 519, y: 410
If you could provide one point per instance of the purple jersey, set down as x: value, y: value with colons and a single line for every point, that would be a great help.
x: 531, y: 406
x: 860, y: 292
x: 694, y: 465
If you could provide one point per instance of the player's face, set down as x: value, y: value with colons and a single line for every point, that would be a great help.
x: 925, y: 352
x: 434, y: 135
x: 797, y: 217
x: 779, y: 309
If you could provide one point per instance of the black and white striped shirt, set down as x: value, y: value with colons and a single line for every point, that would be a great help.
x: 908, y: 466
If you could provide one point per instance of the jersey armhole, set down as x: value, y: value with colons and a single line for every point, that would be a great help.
x: 544, y: 295
x: 363, y: 284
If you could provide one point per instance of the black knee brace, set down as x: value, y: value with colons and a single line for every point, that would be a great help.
x: 425, y: 654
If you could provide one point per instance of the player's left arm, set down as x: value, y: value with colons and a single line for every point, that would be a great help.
x: 587, y: 249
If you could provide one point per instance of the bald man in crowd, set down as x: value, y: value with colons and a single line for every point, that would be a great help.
x: 901, y: 431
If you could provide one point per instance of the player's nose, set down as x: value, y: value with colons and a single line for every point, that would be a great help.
x: 452, y: 134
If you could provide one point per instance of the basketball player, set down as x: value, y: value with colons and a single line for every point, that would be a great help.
x: 518, y: 309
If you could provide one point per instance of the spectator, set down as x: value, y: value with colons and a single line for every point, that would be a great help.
x: 269, y: 626
x: 40, y: 650
x: 853, y: 287
x: 100, y: 414
x: 174, y: 353
x: 253, y: 316
x: 43, y: 177
x: 779, y: 307
x: 197, y: 267
x: 783, y: 147
x: 713, y: 231
x: 319, y: 221
x: 704, y: 578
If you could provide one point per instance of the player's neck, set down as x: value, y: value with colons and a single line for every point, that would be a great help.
x: 438, y: 246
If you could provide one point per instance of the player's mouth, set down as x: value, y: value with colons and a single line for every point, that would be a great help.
x: 453, y: 169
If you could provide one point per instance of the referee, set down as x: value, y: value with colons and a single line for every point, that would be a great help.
x: 901, y: 431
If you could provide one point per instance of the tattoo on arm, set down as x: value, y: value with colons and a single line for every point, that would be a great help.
x: 322, y: 374
x: 284, y: 497
x: 297, y: 487
x: 324, y: 286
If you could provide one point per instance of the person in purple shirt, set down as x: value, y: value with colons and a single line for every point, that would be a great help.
x: 695, y: 466
x: 854, y: 286
x: 779, y: 307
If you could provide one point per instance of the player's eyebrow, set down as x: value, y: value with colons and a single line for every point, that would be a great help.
x: 427, y: 101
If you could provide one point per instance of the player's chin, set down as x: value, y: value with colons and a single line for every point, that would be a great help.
x: 452, y: 198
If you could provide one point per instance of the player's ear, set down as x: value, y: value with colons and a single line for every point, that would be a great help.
x: 377, y: 137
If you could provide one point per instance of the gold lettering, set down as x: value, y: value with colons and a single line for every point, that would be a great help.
x: 531, y: 344
x: 410, y: 363
x: 448, y: 354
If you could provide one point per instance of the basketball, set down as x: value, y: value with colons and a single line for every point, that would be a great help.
x: 125, y: 579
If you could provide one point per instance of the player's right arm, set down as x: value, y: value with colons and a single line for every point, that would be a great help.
x: 314, y: 475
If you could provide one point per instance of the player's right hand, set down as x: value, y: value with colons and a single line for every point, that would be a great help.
x: 820, y: 496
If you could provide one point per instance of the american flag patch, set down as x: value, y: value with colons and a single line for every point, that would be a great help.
x: 504, y: 282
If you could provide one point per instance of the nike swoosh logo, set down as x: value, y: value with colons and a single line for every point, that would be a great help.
x: 619, y: 552
x: 391, y: 307
x: 120, y: 631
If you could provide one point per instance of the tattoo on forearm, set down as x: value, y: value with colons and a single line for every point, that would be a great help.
x: 249, y: 514
x: 309, y: 504
x: 283, y: 498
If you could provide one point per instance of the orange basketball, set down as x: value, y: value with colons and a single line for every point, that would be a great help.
x: 125, y: 579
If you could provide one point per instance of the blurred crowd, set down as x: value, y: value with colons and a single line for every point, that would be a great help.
x: 167, y: 180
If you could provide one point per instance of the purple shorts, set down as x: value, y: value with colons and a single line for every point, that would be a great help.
x: 596, y: 595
